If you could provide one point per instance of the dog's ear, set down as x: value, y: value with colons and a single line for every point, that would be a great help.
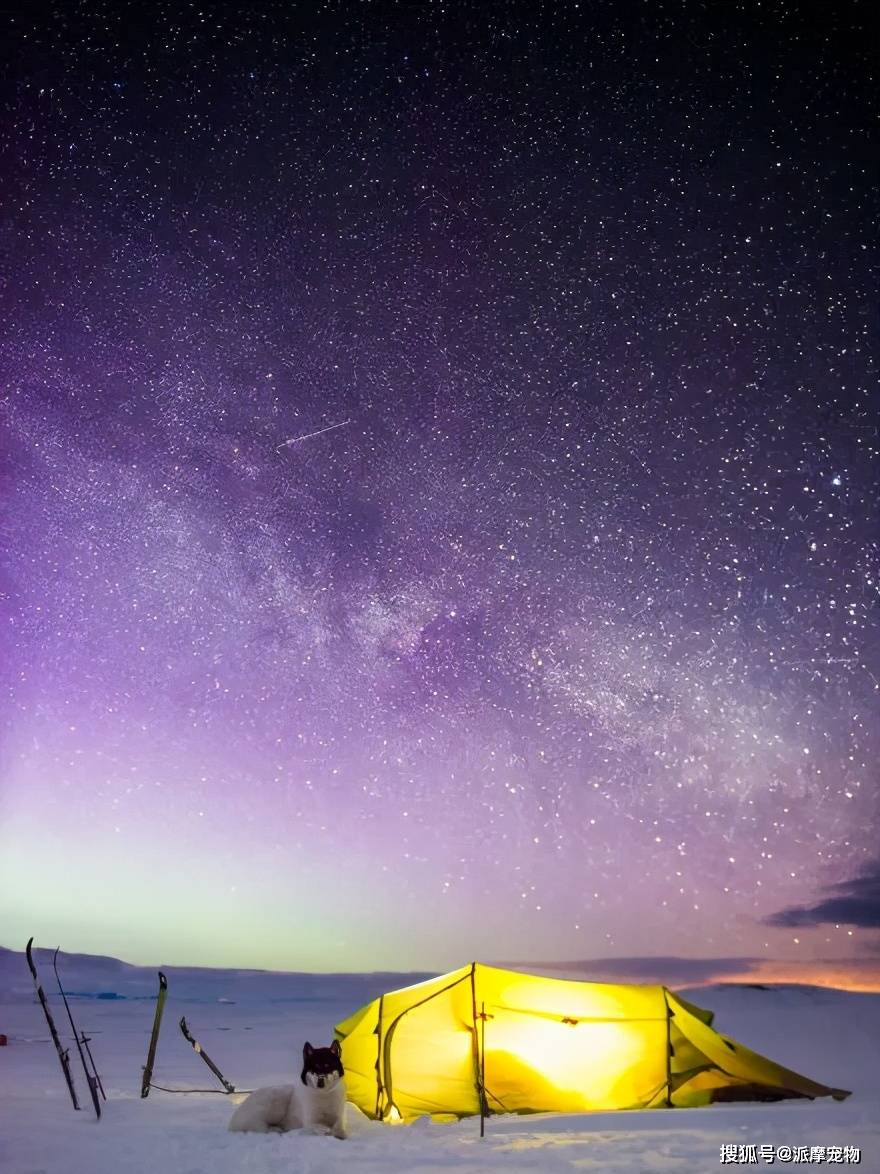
x: 334, y: 1047
x: 307, y: 1050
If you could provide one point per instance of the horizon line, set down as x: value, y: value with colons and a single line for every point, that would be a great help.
x: 852, y: 974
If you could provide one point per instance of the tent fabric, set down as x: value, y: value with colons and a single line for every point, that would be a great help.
x: 482, y: 1037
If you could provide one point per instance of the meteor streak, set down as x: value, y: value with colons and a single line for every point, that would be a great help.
x: 309, y: 435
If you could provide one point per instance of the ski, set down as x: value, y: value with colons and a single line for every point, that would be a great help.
x: 154, y: 1038
x: 92, y: 1078
x: 63, y: 1054
x: 197, y: 1047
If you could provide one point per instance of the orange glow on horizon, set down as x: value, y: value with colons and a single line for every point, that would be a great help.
x: 848, y: 974
x: 863, y: 977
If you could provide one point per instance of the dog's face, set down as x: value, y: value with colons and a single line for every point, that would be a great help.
x: 322, y: 1067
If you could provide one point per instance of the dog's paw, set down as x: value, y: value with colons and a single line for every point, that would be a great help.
x: 340, y: 1134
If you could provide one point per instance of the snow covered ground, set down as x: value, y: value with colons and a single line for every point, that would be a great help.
x: 257, y: 1037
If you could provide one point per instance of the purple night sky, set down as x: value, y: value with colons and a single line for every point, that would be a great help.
x: 438, y: 485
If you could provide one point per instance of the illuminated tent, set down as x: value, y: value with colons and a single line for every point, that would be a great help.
x: 545, y: 1045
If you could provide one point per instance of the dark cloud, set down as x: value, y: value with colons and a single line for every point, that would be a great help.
x: 851, y: 902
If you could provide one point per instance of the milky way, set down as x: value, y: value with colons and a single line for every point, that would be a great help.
x: 440, y: 500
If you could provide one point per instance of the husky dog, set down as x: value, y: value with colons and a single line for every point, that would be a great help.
x: 317, y: 1103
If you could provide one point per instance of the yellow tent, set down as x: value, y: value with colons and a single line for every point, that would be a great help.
x: 483, y: 1038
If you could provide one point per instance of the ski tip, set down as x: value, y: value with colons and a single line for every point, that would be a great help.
x: 27, y: 948
x: 163, y: 981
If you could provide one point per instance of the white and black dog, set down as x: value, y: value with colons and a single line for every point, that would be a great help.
x: 317, y: 1103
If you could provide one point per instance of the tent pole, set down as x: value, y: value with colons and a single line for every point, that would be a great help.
x: 379, y: 1113
x: 482, y: 1070
x: 668, y: 1053
x: 479, y: 1051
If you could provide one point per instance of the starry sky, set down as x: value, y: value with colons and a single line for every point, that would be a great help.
x: 439, y: 502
